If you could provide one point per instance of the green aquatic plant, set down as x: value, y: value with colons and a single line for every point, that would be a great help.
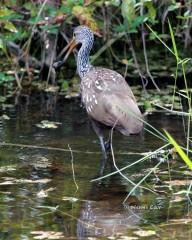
x: 180, y: 151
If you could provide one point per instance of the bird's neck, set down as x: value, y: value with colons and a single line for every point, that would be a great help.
x: 83, y: 64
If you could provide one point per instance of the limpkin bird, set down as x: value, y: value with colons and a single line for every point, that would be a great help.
x: 107, y: 97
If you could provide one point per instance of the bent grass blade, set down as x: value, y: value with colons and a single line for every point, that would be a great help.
x: 181, y: 153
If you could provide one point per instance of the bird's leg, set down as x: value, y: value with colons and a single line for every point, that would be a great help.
x: 99, y: 133
x: 108, y: 145
x: 104, y: 159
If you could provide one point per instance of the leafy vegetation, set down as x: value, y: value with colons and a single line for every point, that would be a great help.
x: 30, y: 25
x: 145, y: 40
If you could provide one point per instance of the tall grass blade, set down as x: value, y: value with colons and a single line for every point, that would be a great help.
x: 173, y: 41
x: 155, y: 34
x: 182, y: 154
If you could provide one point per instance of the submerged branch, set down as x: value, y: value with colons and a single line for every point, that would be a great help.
x: 62, y: 149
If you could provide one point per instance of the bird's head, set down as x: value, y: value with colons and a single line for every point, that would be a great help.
x: 82, y: 34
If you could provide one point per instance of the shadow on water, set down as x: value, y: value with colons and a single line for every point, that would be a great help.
x: 38, y: 196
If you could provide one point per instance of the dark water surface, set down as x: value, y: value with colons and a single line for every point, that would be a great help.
x: 38, y: 196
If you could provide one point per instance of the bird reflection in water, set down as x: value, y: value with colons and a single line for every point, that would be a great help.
x: 105, y: 215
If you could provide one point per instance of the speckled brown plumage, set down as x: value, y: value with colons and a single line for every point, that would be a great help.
x: 106, y: 95
x: 108, y: 99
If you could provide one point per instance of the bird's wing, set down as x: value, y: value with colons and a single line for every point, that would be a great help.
x: 123, y: 113
x: 104, y: 80
x: 109, y: 100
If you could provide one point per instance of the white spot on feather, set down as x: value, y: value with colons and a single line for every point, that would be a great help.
x: 47, y: 44
x: 99, y: 87
x: 89, y: 109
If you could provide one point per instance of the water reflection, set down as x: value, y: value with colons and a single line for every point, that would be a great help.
x: 106, y: 215
x: 37, y: 191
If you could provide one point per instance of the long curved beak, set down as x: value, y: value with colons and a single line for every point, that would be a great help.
x: 69, y: 48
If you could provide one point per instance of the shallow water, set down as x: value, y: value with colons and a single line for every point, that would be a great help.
x: 38, y: 195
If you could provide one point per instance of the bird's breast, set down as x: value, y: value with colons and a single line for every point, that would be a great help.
x: 89, y: 99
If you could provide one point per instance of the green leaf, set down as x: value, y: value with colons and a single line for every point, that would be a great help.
x: 10, y: 27
x: 78, y: 10
x: 7, y: 15
x: 182, y: 154
x: 5, y: 78
x: 151, y: 10
x: 50, y: 28
x: 173, y: 42
x: 65, y: 86
x: 15, y: 36
x: 128, y: 10
x: 10, y: 17
x: 115, y: 3
x: 32, y: 8
x: 85, y: 14
x: 1, y: 44
x: 70, y: 3
x: 2, y: 99
x: 65, y: 9
x: 138, y: 20
x: 51, y: 11
x: 81, y: 2
x: 5, y: 12
x: 35, y: 19
x: 120, y: 28
x: 173, y: 7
